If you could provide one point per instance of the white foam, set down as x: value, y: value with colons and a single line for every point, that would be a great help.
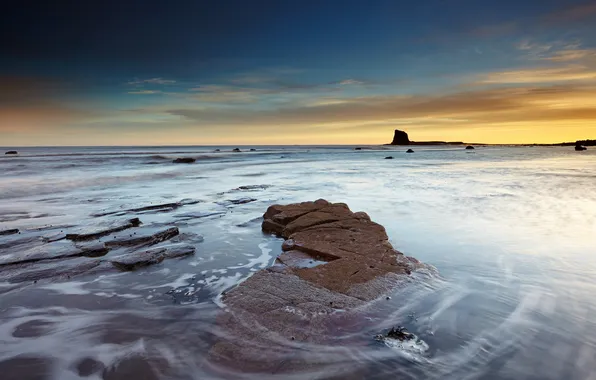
x: 179, y: 282
x: 68, y: 288
x: 113, y: 294
x: 411, y: 349
x: 260, y: 262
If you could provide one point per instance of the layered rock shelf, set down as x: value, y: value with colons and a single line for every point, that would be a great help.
x: 333, y: 261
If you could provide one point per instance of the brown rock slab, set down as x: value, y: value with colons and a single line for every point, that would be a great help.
x: 334, y: 263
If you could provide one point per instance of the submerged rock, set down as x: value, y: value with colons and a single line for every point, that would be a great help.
x: 239, y: 201
x: 252, y: 187
x: 12, y: 152
x: 36, y: 271
x: 184, y: 160
x: 69, y: 266
x: 333, y: 260
x: 163, y: 207
x: 198, y: 215
x: 50, y: 238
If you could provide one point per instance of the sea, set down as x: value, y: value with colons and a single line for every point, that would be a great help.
x: 510, y: 230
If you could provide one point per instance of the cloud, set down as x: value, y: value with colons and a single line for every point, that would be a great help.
x: 348, y: 82
x: 541, y: 75
x: 571, y: 55
x: 228, y: 94
x: 557, y: 51
x: 531, y: 103
x: 276, y: 91
x: 145, y: 92
x: 159, y: 81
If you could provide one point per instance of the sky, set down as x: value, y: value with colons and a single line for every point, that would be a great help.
x: 191, y: 72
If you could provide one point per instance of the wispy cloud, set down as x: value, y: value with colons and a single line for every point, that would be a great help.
x: 501, y: 105
x: 145, y: 92
x: 571, y: 55
x: 159, y: 81
x: 227, y: 94
x: 348, y: 82
x: 541, y: 75
x: 556, y: 51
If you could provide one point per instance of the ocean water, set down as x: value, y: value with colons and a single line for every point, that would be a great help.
x: 510, y: 230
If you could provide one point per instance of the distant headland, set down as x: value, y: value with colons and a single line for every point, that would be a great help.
x: 401, y: 138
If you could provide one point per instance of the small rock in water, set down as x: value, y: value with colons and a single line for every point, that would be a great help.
x: 409, y: 151
x: 469, y: 147
x: 12, y: 152
x: 184, y: 160
x: 252, y: 187
x: 389, y: 158
x: 387, y: 298
x: 236, y: 150
x: 400, y: 333
x: 9, y: 232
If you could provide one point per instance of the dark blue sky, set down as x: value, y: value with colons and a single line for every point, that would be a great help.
x: 201, y: 67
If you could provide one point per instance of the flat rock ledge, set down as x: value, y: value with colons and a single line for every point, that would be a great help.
x: 334, y: 262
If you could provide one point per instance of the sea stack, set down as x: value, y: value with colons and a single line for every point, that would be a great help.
x: 400, y: 138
